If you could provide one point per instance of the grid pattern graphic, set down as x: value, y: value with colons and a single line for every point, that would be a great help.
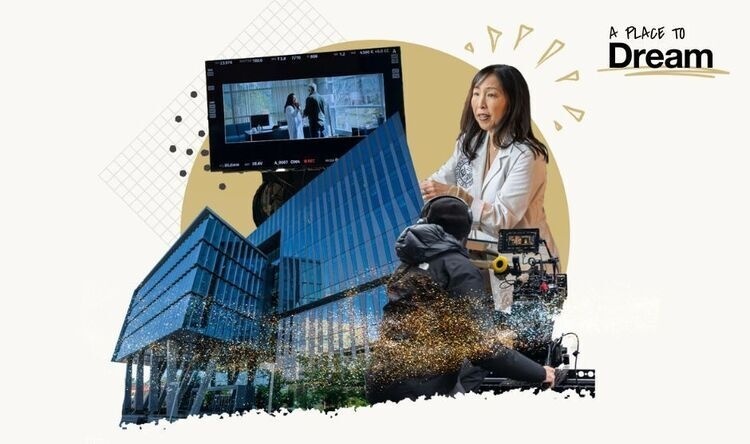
x: 147, y: 176
x: 150, y: 174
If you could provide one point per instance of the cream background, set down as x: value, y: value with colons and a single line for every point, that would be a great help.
x: 655, y: 163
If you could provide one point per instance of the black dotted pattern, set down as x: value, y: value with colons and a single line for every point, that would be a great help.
x: 144, y: 163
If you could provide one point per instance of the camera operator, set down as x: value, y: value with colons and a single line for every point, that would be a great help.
x: 437, y: 335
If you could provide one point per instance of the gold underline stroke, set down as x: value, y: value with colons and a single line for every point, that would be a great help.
x: 643, y: 68
x: 668, y: 72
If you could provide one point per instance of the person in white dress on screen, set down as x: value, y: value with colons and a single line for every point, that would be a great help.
x: 293, y: 117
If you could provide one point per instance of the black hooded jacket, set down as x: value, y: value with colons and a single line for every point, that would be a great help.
x: 446, y: 261
x: 446, y: 258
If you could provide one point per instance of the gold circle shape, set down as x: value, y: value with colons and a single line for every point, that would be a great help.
x: 435, y: 85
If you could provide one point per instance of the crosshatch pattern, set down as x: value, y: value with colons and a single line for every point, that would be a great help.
x: 150, y: 174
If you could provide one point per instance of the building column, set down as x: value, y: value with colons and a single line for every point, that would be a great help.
x: 139, y: 384
x: 154, y: 379
x: 203, y: 388
x: 241, y: 391
x: 127, y: 402
x: 352, y: 329
x: 269, y: 409
x: 171, y: 385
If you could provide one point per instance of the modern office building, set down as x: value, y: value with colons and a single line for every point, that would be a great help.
x: 313, y: 273
x: 332, y: 245
x: 209, y: 290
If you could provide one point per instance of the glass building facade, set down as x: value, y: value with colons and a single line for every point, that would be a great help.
x: 212, y: 282
x: 335, y: 244
x: 338, y: 232
x: 315, y: 268
x: 343, y: 326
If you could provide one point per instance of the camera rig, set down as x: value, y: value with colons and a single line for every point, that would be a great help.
x: 529, y: 292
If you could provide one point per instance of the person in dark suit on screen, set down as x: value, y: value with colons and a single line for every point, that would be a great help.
x: 315, y: 111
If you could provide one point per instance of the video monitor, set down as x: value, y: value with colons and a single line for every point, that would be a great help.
x: 518, y: 240
x: 262, y: 120
x: 302, y: 111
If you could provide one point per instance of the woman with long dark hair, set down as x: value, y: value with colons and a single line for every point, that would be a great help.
x: 498, y: 166
x: 293, y: 117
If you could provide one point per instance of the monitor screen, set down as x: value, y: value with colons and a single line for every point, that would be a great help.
x: 301, y: 111
x: 261, y: 120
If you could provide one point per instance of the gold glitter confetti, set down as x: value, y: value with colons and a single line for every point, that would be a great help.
x: 425, y: 332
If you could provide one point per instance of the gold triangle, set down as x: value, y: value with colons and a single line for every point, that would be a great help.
x: 557, y: 125
x: 469, y: 47
x: 576, y: 113
x: 523, y: 31
x: 553, y: 49
x: 572, y: 76
x: 494, y: 36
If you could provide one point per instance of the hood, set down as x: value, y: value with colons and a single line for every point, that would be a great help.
x: 422, y: 242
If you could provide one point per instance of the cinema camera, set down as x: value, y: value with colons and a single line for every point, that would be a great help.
x: 529, y: 292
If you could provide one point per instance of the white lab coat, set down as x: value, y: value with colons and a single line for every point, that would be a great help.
x: 512, y: 194
x: 294, y: 122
